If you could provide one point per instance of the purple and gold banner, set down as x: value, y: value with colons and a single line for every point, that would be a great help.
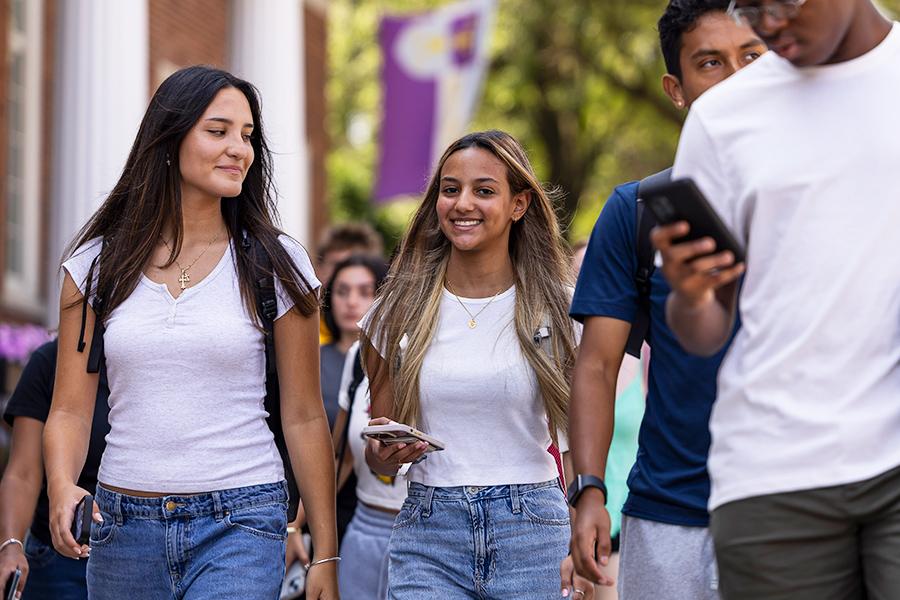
x: 434, y: 67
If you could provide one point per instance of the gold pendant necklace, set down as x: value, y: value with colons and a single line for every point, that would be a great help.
x: 473, y: 322
x: 184, y: 278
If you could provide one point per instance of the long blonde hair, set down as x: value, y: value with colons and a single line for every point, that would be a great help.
x: 410, y: 299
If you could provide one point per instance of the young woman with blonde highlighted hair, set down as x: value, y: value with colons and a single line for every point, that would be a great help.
x: 470, y: 341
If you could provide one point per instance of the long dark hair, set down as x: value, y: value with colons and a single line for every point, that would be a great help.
x: 147, y: 196
x: 375, y: 265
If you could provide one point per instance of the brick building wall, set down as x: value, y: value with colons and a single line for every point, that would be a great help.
x: 187, y: 32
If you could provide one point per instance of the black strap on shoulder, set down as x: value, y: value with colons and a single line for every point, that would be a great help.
x: 645, y: 253
x: 358, y: 376
x: 267, y: 310
x: 96, y: 356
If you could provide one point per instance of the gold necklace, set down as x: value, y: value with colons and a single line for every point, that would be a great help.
x: 473, y: 323
x: 184, y: 278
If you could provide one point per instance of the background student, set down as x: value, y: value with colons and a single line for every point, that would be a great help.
x: 666, y: 551
x: 24, y: 506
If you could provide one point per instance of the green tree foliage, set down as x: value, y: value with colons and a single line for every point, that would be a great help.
x: 577, y: 81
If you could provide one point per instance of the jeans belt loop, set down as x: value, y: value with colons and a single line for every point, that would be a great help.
x: 117, y: 508
x: 217, y: 505
x: 426, y: 501
x: 514, y: 499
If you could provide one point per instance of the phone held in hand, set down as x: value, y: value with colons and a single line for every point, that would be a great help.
x: 398, y: 433
x: 81, y: 524
x: 9, y: 592
x: 682, y: 200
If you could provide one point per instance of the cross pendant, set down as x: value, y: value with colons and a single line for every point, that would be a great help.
x: 184, y: 279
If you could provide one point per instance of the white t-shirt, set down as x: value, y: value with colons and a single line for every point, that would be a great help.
x: 187, y: 383
x: 802, y: 164
x: 376, y: 490
x: 480, y: 396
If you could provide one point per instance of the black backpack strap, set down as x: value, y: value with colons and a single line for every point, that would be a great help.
x: 266, y: 302
x: 96, y: 355
x: 645, y: 267
x: 358, y: 376
x: 267, y: 310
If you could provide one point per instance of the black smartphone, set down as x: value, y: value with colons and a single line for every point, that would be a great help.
x: 81, y: 524
x: 9, y: 592
x: 682, y: 200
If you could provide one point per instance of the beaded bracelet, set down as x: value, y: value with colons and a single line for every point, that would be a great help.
x: 319, y: 562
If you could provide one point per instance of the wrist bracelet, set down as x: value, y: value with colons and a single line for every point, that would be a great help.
x: 12, y: 541
x: 308, y: 566
x: 292, y: 530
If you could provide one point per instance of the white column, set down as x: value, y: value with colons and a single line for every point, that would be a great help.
x: 100, y: 96
x: 267, y: 51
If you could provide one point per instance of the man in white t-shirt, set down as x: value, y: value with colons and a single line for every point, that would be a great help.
x: 798, y: 154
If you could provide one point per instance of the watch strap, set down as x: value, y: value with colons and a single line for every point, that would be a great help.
x: 581, y: 483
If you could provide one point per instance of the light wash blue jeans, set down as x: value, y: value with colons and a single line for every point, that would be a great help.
x: 224, y: 544
x: 474, y: 542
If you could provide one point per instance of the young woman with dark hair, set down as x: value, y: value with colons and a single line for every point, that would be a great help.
x: 191, y: 497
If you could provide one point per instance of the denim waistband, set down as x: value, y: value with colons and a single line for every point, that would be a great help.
x: 175, y: 506
x: 475, y: 492
x: 427, y: 494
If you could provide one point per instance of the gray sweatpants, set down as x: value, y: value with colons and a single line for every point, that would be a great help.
x: 658, y: 561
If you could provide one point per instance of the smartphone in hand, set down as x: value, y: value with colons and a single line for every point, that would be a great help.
x: 682, y: 200
x: 81, y: 524
x: 9, y: 592
x: 398, y: 433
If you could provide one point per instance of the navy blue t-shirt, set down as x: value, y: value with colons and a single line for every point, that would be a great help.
x: 669, y: 482
x: 31, y: 398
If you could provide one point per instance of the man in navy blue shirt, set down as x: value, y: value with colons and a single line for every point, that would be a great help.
x: 666, y: 552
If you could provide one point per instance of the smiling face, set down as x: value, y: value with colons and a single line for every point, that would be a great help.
x: 475, y: 206
x: 216, y: 153
x: 713, y: 50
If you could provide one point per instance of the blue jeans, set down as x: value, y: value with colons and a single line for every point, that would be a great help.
x: 52, y: 576
x: 479, y: 542
x: 224, y: 544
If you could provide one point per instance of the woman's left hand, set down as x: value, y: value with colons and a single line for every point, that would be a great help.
x: 321, y: 582
x: 574, y: 586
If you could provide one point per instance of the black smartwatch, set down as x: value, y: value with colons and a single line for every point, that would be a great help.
x: 581, y: 483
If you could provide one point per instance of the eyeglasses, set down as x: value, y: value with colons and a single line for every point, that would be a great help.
x: 753, y: 15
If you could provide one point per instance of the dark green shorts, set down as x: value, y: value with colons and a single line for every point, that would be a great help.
x: 835, y: 543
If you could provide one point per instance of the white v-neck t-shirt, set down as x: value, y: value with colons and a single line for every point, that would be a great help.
x: 801, y: 164
x: 187, y: 383
x: 480, y: 396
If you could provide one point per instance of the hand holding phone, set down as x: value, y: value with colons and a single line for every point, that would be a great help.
x: 682, y: 200
x: 387, y: 458
x: 9, y: 591
x: 702, y: 261
x: 81, y: 524
x: 398, y: 433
